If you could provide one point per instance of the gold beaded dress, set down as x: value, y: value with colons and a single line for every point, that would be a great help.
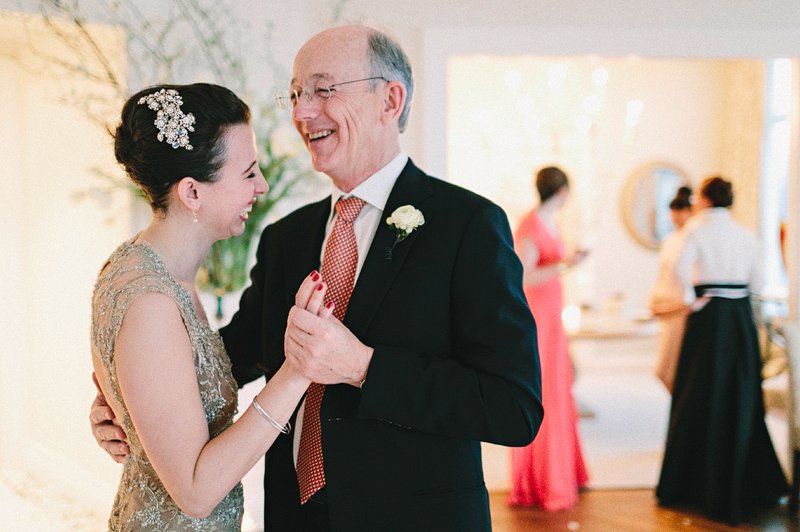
x: 142, y: 502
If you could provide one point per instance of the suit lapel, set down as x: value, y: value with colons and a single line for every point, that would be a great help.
x: 411, y: 188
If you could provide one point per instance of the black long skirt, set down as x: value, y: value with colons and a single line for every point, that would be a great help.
x: 719, y: 456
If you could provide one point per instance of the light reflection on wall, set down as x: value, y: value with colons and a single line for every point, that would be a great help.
x: 524, y: 113
x: 599, y: 118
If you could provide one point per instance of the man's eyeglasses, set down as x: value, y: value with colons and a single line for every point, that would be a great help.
x: 287, y: 99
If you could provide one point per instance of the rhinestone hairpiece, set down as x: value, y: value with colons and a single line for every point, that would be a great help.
x: 172, y: 123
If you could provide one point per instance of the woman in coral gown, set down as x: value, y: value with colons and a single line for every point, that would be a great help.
x: 548, y: 472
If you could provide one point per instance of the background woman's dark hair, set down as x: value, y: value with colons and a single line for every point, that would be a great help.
x: 549, y: 181
x: 682, y: 199
x: 718, y: 191
x: 156, y: 166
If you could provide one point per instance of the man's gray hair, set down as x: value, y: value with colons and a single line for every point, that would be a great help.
x: 389, y: 61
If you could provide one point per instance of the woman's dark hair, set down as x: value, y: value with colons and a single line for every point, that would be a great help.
x: 549, y: 180
x: 682, y: 199
x: 718, y: 191
x: 156, y: 166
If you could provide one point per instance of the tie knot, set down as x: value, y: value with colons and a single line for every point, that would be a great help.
x: 349, y: 208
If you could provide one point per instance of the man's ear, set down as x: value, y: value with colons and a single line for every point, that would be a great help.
x: 394, y: 101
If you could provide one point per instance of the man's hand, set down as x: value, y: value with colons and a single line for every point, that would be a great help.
x: 109, y: 435
x: 318, y: 345
x: 324, y: 350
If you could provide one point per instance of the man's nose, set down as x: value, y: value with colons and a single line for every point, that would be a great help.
x: 304, y: 109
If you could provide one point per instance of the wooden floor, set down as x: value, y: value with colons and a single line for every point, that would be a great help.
x: 623, y: 511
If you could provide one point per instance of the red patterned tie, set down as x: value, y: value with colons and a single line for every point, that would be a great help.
x: 339, y: 271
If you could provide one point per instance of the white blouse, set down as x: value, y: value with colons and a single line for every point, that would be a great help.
x: 668, y: 288
x: 717, y: 250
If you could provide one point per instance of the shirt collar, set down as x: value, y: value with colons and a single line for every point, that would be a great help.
x: 376, y: 188
x: 714, y: 213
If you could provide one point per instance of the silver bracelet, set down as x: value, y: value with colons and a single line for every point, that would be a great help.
x: 285, y: 429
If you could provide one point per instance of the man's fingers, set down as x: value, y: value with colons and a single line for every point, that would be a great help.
x: 117, y: 450
x: 303, y: 319
x: 107, y: 433
x: 100, y: 414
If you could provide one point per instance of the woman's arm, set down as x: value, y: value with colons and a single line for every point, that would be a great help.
x: 157, y: 380
x: 533, y: 274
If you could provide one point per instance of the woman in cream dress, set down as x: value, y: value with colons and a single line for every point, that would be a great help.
x: 666, y: 297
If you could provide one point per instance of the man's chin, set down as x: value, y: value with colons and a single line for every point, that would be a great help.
x: 320, y: 164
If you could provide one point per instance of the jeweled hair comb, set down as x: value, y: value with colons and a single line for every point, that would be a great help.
x: 172, y: 123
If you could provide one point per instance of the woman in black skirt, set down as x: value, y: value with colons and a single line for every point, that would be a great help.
x: 719, y: 457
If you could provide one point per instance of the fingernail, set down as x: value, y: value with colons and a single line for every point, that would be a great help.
x: 313, y: 273
x: 329, y: 304
x: 314, y: 276
x: 319, y: 286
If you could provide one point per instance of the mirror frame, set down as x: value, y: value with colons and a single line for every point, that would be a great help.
x: 628, y: 197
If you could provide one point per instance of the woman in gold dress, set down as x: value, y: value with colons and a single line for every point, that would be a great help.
x: 162, y: 369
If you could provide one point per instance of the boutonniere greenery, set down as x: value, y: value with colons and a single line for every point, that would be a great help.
x: 404, y: 220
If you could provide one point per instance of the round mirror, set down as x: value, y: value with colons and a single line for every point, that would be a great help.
x: 645, y: 201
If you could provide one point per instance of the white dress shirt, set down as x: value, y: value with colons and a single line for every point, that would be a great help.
x: 717, y: 250
x: 375, y: 192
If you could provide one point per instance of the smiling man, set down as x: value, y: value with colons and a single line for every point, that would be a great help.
x: 435, y: 347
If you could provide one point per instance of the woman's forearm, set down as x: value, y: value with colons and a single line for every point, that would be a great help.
x: 224, y: 460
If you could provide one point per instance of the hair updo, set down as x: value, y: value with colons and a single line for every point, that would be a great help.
x: 682, y: 199
x: 718, y: 191
x: 156, y: 166
x: 549, y: 180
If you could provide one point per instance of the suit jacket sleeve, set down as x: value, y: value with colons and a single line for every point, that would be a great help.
x: 488, y: 386
x: 242, y: 336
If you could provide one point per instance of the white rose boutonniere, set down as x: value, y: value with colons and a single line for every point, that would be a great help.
x: 404, y: 220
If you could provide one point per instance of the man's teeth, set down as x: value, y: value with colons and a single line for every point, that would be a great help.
x: 319, y: 134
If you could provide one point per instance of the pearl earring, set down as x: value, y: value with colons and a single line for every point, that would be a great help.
x: 194, y: 217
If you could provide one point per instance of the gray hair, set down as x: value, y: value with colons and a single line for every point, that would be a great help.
x: 389, y: 61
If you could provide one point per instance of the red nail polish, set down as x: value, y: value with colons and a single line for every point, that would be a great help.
x: 314, y: 276
x: 329, y: 304
x: 319, y: 287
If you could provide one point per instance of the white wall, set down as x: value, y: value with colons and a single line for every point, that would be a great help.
x: 52, y: 247
x: 505, y: 120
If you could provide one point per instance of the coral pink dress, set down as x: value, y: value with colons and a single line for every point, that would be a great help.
x: 549, y: 471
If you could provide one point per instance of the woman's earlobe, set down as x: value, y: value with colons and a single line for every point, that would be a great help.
x: 189, y: 193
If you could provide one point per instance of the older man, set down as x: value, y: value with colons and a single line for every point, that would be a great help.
x: 436, y: 347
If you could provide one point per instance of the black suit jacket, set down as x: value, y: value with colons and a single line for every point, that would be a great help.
x: 455, y: 362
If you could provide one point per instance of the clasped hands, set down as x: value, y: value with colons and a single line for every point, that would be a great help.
x: 318, y: 345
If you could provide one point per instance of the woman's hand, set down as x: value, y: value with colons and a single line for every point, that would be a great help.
x: 311, y: 296
x: 577, y: 257
x: 317, y: 344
